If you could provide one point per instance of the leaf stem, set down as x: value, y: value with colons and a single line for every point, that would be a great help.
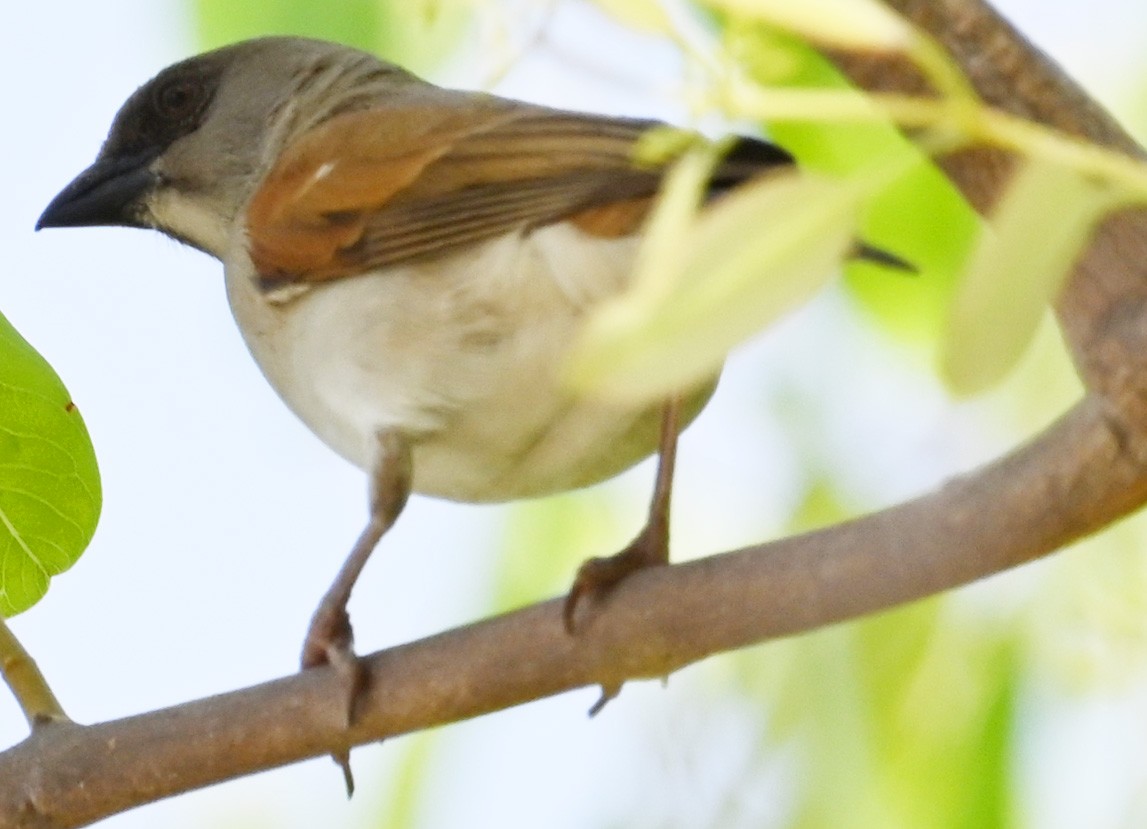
x: 969, y: 124
x: 28, y: 685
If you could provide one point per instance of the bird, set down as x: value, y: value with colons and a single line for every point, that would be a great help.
x: 409, y: 265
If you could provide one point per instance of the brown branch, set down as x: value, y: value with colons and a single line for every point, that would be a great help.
x: 1082, y: 473
x: 1009, y: 512
x: 1102, y: 307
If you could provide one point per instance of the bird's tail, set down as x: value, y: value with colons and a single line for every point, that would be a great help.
x: 867, y: 253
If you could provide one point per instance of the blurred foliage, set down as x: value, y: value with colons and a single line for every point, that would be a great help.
x: 920, y: 215
x: 413, y: 33
x: 408, y: 787
x: 50, y: 493
x: 697, y: 290
x: 1042, y: 222
x: 569, y: 528
x: 1002, y: 291
x: 912, y: 718
x: 904, y: 719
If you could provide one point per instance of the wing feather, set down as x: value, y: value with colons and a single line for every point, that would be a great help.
x: 414, y: 177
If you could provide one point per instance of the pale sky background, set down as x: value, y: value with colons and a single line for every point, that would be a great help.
x: 224, y: 519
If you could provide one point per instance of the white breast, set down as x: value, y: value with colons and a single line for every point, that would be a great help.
x: 461, y: 354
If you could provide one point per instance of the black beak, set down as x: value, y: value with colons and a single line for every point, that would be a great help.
x: 107, y: 193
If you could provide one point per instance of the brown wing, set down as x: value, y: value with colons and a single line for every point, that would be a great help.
x: 394, y: 183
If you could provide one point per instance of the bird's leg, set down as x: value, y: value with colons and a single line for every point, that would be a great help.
x: 330, y: 639
x: 651, y: 546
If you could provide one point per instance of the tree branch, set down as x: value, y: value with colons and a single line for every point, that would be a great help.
x: 1073, y: 479
x: 1085, y: 471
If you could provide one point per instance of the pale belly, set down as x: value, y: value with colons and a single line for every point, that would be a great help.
x: 463, y: 357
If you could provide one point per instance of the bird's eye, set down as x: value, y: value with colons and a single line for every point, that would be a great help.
x: 178, y: 100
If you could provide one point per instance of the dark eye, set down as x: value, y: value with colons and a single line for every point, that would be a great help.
x: 179, y: 99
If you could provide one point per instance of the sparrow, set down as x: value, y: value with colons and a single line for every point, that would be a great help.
x: 409, y: 266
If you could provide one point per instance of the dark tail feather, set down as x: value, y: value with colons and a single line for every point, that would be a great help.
x: 867, y: 253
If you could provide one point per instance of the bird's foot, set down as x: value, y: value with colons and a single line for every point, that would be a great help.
x: 330, y: 641
x: 597, y: 576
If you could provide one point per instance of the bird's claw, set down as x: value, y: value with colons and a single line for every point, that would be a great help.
x: 330, y: 641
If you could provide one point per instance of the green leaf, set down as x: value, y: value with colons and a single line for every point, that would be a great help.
x: 49, y: 484
x: 1037, y: 230
x: 411, y: 784
x: 902, y: 720
x: 353, y: 22
x: 547, y: 539
x: 846, y: 24
x: 414, y: 33
x: 700, y: 288
x: 920, y: 216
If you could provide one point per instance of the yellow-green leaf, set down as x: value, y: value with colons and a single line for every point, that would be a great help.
x: 701, y: 288
x: 847, y: 24
x: 1039, y: 227
x: 414, y: 33
x: 919, y: 216
x: 643, y: 15
x: 49, y: 484
x: 548, y: 538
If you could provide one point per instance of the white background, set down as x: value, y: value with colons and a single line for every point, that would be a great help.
x: 224, y: 519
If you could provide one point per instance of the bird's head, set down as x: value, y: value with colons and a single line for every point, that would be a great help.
x: 187, y: 148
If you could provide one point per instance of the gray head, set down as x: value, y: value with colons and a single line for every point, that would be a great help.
x: 186, y: 149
